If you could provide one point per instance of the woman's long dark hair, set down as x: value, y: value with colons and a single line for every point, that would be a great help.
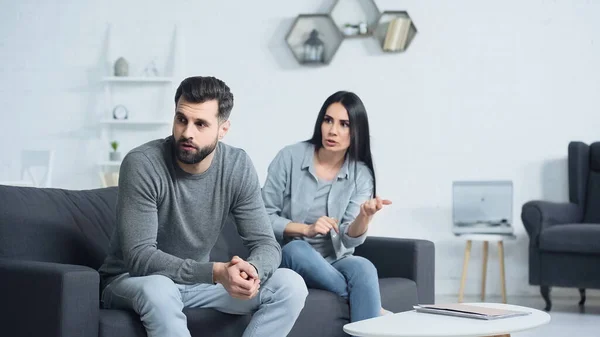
x: 360, y: 144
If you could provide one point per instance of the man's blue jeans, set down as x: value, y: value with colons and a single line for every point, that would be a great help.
x: 351, y: 277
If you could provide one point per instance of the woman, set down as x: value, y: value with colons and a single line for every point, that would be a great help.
x: 319, y: 197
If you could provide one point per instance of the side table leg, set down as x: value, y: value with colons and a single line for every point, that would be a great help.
x: 502, y: 275
x: 484, y: 270
x: 464, y: 271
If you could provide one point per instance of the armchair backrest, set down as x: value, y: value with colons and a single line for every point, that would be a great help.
x: 584, y: 179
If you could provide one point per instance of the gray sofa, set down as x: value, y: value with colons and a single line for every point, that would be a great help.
x: 52, y: 241
x: 564, y: 238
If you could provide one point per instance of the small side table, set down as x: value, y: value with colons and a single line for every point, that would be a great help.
x: 486, y: 238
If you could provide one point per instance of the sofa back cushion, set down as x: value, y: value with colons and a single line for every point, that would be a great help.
x: 229, y: 244
x: 74, y: 227
x: 56, y: 225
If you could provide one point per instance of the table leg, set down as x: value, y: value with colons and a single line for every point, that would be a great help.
x: 484, y: 270
x: 502, y: 275
x: 464, y: 271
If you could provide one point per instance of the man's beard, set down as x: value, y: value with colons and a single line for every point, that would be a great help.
x: 192, y: 156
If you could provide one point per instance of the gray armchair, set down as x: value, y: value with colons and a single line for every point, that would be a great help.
x: 564, y: 238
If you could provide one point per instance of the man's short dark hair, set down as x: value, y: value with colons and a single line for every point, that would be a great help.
x: 199, y: 89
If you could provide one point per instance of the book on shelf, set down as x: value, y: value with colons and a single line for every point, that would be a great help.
x: 397, y: 34
x: 469, y: 311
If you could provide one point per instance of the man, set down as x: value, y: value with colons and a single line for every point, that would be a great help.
x: 175, y: 195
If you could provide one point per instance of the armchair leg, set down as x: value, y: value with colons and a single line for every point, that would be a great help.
x: 545, y: 291
x: 582, y: 294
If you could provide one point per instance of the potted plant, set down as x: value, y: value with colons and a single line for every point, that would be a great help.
x: 115, y: 155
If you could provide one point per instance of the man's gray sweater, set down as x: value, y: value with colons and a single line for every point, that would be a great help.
x: 169, y: 220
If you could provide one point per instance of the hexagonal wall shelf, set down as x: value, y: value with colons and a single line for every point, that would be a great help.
x: 355, y: 18
x: 299, y: 38
x: 395, y: 31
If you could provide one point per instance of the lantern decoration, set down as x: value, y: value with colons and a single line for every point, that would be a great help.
x: 314, y: 49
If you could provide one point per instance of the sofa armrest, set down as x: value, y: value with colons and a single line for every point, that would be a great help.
x: 406, y: 258
x: 537, y: 215
x: 48, y: 299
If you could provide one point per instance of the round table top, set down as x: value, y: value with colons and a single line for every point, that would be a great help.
x: 487, y: 237
x: 414, y: 324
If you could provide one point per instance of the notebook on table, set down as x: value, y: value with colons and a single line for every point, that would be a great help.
x: 469, y: 311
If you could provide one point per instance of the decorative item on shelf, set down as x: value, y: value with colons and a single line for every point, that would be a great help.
x: 351, y: 30
x: 355, y: 18
x: 121, y: 67
x: 397, y: 34
x: 151, y: 69
x: 355, y: 30
x: 314, y: 39
x: 114, y: 155
x: 362, y: 28
x: 120, y: 112
x: 314, y: 49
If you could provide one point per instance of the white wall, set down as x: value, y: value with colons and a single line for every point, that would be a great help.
x: 487, y: 90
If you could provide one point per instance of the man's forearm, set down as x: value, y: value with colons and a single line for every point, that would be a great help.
x: 148, y: 260
x: 359, y: 226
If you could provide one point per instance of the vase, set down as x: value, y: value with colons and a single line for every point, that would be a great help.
x: 121, y: 67
x: 115, y: 156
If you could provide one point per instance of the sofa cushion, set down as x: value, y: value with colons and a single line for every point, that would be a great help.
x: 571, y: 238
x: 115, y: 323
x: 56, y: 225
x: 324, y: 314
x: 398, y: 294
x: 228, y: 244
x: 212, y: 323
x: 201, y: 323
x: 74, y: 227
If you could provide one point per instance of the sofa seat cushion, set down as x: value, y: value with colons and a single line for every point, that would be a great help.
x: 571, y: 238
x: 201, y: 322
x: 115, y: 323
x: 398, y: 294
x: 212, y: 323
x: 324, y: 313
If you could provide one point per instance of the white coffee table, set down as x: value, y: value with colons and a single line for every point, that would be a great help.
x: 414, y: 324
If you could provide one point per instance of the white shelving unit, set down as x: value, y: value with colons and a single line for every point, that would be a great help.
x: 146, y: 98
